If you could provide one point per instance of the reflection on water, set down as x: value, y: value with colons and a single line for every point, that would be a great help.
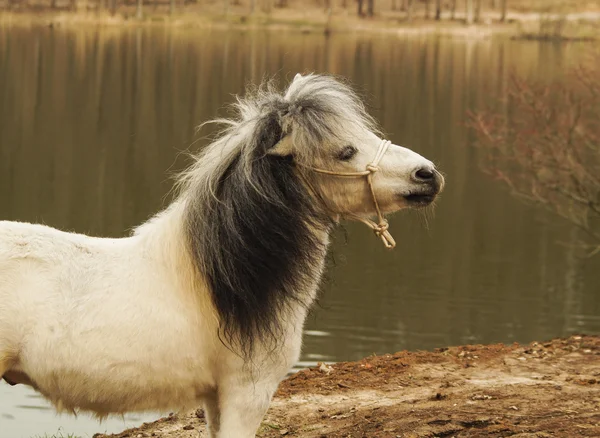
x: 91, y: 122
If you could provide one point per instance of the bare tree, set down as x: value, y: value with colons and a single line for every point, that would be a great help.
x: 503, y: 7
x: 267, y: 5
x: 438, y: 10
x: 544, y: 143
x: 477, y: 11
x: 370, y: 8
x: 469, y: 11
x: 360, y: 8
x: 453, y: 10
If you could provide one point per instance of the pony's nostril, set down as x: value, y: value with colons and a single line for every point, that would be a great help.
x: 424, y: 174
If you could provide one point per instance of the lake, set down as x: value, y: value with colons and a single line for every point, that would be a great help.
x: 93, y: 124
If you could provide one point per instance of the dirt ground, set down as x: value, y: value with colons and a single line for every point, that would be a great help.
x: 549, y: 389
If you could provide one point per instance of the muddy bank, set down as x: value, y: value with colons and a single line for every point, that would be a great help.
x: 536, y: 390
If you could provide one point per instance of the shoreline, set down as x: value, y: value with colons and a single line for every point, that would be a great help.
x: 535, y: 390
x: 584, y: 26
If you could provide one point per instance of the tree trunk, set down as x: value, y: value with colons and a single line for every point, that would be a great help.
x: 427, y: 4
x: 438, y: 10
x: 469, y: 12
x: 453, y: 10
x: 409, y: 5
x: 370, y: 8
x: 394, y: 5
x: 252, y: 6
x: 503, y: 16
x: 360, y: 8
x: 477, y: 11
x: 171, y: 7
x: 138, y: 9
x: 404, y: 5
x: 52, y: 4
x: 493, y: 5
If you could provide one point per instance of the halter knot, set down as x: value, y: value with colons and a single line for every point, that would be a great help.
x: 372, y: 168
x: 381, y: 227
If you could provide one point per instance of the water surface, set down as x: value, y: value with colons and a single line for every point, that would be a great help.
x: 92, y: 123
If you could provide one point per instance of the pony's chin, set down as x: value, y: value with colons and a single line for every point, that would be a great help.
x: 416, y: 200
x: 419, y: 200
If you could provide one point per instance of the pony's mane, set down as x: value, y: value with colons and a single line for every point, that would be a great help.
x: 251, y: 225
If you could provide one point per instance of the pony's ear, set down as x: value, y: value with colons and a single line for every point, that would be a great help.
x: 283, y: 148
x: 298, y: 76
x: 270, y: 137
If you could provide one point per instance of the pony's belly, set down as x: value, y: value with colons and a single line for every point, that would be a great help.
x: 106, y: 374
x: 136, y: 388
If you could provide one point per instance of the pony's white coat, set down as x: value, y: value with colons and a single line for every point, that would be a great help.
x: 118, y: 325
x: 62, y: 296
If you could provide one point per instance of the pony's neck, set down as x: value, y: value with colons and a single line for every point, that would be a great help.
x: 163, y: 233
x: 164, y: 238
x: 243, y: 320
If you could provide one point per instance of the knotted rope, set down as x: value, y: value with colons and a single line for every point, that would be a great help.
x: 379, y: 228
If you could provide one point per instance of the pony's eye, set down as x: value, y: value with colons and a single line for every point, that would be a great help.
x: 347, y: 153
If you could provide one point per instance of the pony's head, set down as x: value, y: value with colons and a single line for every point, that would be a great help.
x: 261, y: 198
x: 341, y: 156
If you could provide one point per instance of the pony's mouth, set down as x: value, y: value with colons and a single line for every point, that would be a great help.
x: 419, y: 199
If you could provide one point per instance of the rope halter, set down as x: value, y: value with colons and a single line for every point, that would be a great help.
x: 380, y: 228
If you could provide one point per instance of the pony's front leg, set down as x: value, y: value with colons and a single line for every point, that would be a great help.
x: 242, y: 408
x: 4, y: 365
x: 212, y: 414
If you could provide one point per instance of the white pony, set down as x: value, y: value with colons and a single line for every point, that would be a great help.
x: 205, y: 302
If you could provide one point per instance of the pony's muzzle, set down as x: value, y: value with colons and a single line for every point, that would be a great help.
x: 429, y: 183
x: 428, y: 177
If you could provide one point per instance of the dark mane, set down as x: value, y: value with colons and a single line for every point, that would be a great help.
x: 251, y: 224
x: 257, y: 248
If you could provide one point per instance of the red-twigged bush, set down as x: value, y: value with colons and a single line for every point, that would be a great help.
x: 543, y: 141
